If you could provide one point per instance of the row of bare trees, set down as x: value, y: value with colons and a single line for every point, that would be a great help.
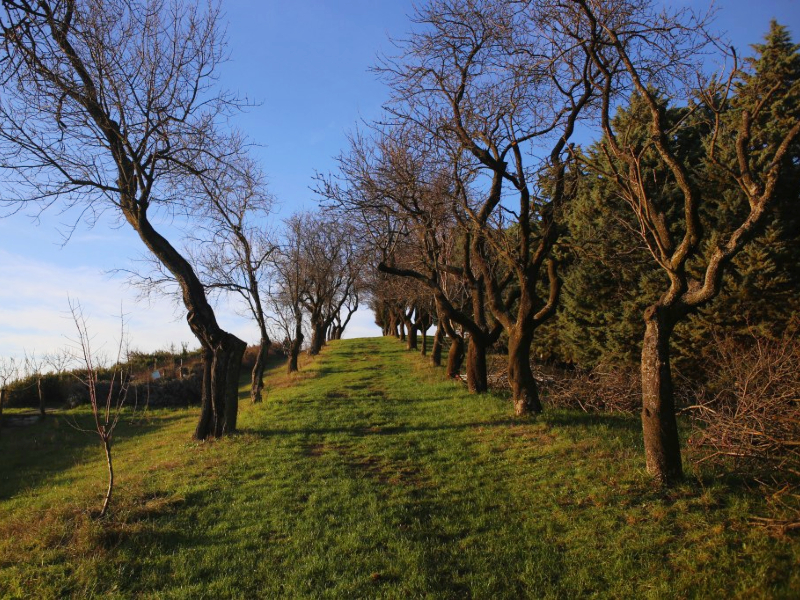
x: 305, y: 277
x: 113, y: 107
x: 463, y: 184
x: 317, y: 272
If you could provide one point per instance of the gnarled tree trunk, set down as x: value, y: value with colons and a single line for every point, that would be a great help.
x: 294, y: 354
x: 476, y: 366
x: 436, y: 350
x: 455, y: 356
x: 411, y: 339
x: 297, y: 343
x: 524, y: 390
x: 220, y: 404
x: 257, y: 377
x: 659, y: 424
x: 318, y: 330
x: 423, y: 323
x: 41, y: 397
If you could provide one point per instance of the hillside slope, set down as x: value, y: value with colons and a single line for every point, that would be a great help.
x: 370, y: 476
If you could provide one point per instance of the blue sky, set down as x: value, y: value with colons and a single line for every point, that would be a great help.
x: 306, y: 63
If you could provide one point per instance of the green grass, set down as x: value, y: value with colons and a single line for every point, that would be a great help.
x: 370, y: 476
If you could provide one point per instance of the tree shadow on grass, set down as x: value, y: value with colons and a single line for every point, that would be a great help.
x: 376, y: 429
x: 31, y: 456
x: 349, y: 367
x: 628, y: 423
x: 623, y: 423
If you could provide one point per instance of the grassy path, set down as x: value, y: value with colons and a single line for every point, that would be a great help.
x: 372, y: 477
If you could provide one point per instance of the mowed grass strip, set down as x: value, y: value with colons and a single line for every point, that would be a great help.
x: 370, y: 476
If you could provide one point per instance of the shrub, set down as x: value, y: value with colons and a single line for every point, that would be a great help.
x: 24, y: 392
x: 748, y: 414
x: 617, y: 389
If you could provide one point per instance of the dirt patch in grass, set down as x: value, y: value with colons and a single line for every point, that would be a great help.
x: 379, y: 430
x: 169, y: 465
x: 511, y: 433
x: 385, y: 471
x: 357, y: 387
x: 317, y: 449
x: 380, y: 469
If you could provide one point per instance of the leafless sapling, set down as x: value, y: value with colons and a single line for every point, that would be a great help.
x: 9, y: 372
x: 34, y: 366
x: 106, y: 411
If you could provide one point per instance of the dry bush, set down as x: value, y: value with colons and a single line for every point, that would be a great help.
x: 747, y: 418
x: 612, y: 389
x: 604, y: 388
x: 249, y: 357
x: 748, y: 414
x: 496, y: 371
x: 106, y: 407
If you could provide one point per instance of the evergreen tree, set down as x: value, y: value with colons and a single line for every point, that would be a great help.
x: 610, y: 277
x: 760, y: 294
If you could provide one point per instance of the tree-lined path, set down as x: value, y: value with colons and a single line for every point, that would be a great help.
x: 369, y: 475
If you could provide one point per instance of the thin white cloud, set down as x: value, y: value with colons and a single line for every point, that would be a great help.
x: 34, y: 310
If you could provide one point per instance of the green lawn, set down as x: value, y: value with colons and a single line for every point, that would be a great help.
x: 370, y: 476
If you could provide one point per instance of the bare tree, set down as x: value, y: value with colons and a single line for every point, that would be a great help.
x: 59, y: 361
x: 331, y: 270
x: 425, y: 318
x: 289, y: 287
x: 648, y: 57
x: 33, y: 368
x: 9, y: 372
x: 106, y: 411
x: 234, y: 249
x: 499, y: 85
x: 111, y: 106
x: 349, y: 306
x: 286, y: 323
